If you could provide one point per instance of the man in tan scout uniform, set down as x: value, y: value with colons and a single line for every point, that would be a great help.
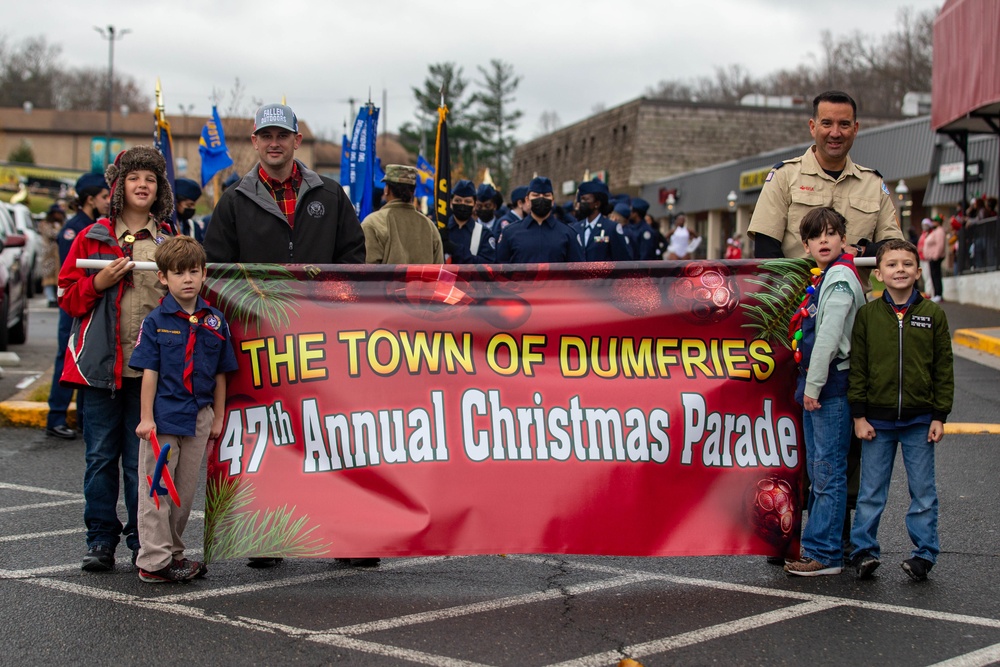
x: 824, y: 176
x: 397, y: 233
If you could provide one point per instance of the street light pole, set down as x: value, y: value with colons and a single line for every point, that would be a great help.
x: 111, y: 35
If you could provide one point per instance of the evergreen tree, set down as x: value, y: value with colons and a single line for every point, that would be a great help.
x: 497, y: 119
x: 463, y: 136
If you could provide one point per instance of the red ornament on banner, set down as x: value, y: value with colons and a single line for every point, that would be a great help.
x: 333, y: 292
x: 637, y: 295
x: 504, y: 312
x: 705, y: 292
x: 771, y: 510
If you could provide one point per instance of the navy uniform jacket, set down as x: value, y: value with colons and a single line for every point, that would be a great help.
x: 70, y: 231
x: 461, y: 239
x: 643, y: 240
x: 528, y: 241
x: 607, y: 241
x: 502, y: 222
x: 162, y: 348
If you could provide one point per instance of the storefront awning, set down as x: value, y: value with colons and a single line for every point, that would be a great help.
x: 965, y: 87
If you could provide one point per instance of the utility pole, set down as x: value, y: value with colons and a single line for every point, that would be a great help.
x: 111, y: 35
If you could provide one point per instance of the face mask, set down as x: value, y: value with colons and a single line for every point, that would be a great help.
x: 461, y: 212
x: 583, y: 210
x: 186, y: 214
x: 485, y: 214
x: 541, y: 207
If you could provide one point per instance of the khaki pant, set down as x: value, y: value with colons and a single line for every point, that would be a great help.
x: 160, y: 530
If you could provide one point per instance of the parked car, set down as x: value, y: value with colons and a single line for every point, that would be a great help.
x: 33, y: 244
x: 14, y: 278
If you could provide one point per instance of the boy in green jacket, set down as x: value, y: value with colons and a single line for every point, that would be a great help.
x: 901, y: 389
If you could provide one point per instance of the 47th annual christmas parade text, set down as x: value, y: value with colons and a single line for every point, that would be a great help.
x: 492, y: 428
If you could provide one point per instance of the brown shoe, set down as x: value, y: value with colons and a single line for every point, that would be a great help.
x: 807, y: 567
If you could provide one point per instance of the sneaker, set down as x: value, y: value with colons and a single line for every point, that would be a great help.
x: 807, y: 567
x: 917, y: 568
x: 200, y: 568
x: 865, y: 565
x: 99, y: 558
x: 935, y: 299
x: 176, y: 572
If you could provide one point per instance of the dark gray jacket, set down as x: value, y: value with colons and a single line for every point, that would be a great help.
x: 247, y: 225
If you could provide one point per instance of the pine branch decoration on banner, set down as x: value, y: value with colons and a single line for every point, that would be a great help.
x: 254, y: 294
x: 782, y: 283
x: 231, y: 533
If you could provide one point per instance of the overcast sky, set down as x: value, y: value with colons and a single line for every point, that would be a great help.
x: 572, y: 56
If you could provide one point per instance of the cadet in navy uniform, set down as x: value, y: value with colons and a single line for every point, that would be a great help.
x: 486, y: 206
x: 601, y: 239
x: 641, y: 235
x: 518, y: 209
x: 469, y: 241
x: 186, y: 195
x: 540, y: 237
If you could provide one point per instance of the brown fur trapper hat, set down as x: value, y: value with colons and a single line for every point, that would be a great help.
x: 140, y: 157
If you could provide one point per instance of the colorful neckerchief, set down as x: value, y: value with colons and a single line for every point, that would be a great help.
x: 202, y: 317
x: 795, y: 325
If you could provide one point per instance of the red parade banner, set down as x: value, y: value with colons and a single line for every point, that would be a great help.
x: 618, y: 409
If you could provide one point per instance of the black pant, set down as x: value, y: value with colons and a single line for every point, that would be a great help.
x: 936, y: 277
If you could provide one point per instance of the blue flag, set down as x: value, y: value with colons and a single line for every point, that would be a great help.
x: 362, y: 162
x: 212, y: 148
x: 379, y: 177
x: 345, y: 162
x: 425, y: 178
x: 163, y: 141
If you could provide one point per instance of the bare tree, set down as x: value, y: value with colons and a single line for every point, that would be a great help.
x: 876, y: 71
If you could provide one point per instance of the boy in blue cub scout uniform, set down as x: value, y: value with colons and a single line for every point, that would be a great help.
x: 184, y: 352
x: 539, y: 237
x: 602, y: 240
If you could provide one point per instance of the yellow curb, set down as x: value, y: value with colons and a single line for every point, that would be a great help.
x: 977, y: 341
x: 31, y: 414
x: 24, y: 413
x: 960, y: 428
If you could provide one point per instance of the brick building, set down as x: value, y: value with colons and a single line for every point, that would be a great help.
x: 649, y: 139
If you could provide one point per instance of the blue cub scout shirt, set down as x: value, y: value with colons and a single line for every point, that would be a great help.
x: 162, y: 347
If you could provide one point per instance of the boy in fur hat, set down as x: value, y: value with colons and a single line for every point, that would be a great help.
x: 108, y: 306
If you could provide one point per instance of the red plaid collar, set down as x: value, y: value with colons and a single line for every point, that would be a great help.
x: 285, y: 192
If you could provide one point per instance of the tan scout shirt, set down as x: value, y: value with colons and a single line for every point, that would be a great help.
x: 143, y: 298
x: 799, y: 185
x: 397, y: 233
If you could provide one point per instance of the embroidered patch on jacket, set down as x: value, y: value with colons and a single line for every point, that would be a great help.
x: 316, y: 209
x: 213, y: 322
x: 921, y: 322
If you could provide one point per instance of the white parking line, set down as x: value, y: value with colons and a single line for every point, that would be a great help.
x: 773, y: 592
x: 294, y: 581
x: 984, y: 656
x: 36, y: 536
x: 37, y: 506
x: 37, y: 489
x: 489, y: 605
x: 345, y: 636
x: 699, y: 636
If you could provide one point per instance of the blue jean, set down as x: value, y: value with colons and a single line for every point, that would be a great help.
x: 828, y: 437
x: 109, y: 437
x: 60, y: 396
x: 877, y: 458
